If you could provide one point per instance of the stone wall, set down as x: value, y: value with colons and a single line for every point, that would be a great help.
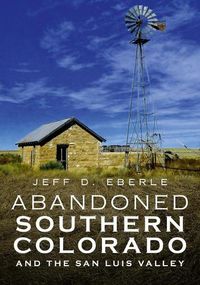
x: 30, y: 155
x: 114, y: 159
x: 82, y: 151
x: 25, y: 153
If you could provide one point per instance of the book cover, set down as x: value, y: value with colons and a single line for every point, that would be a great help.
x: 99, y: 142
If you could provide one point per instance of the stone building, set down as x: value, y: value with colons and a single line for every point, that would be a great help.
x: 68, y: 141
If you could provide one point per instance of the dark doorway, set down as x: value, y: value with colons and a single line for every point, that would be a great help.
x: 62, y: 155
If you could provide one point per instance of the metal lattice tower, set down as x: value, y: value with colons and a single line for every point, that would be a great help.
x: 142, y: 134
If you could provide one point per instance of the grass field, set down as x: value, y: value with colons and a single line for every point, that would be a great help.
x: 182, y: 152
x: 186, y: 153
x: 18, y: 181
x: 9, y: 151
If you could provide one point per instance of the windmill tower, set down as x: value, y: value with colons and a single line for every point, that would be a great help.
x: 142, y: 135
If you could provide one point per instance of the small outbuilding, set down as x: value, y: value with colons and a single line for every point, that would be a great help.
x: 68, y: 141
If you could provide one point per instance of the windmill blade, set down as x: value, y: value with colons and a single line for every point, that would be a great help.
x: 129, y: 26
x: 140, y: 8
x: 150, y: 28
x: 154, y: 26
x: 130, y: 22
x: 132, y: 11
x: 149, y: 13
x: 131, y: 15
x: 128, y: 18
x: 137, y: 10
x: 133, y: 28
x: 151, y: 16
x: 153, y: 21
x: 145, y: 9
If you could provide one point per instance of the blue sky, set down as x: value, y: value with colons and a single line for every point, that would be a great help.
x: 72, y: 58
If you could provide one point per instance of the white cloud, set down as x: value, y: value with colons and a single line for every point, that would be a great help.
x: 181, y: 14
x: 54, y: 39
x: 95, y: 42
x: 44, y: 7
x: 76, y: 3
x: 97, y: 98
x: 24, y: 70
x: 23, y: 92
x: 55, y: 42
x: 120, y: 7
x: 70, y: 62
x: 174, y: 69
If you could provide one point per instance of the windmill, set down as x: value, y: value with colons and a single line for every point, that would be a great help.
x: 142, y: 133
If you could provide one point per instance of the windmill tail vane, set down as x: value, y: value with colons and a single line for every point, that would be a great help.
x: 161, y: 26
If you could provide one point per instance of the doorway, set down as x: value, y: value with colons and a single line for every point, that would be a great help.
x: 62, y: 155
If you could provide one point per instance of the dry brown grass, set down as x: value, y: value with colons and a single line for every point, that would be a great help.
x: 185, y: 183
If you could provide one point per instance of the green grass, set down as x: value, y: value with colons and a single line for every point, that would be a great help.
x: 52, y: 165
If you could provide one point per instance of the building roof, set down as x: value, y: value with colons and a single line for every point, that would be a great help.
x: 46, y: 132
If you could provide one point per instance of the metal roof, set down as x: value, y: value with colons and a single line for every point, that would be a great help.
x: 48, y: 130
